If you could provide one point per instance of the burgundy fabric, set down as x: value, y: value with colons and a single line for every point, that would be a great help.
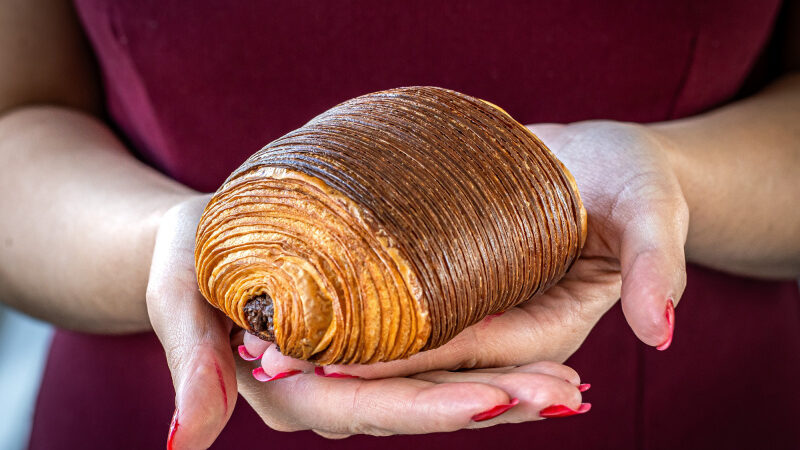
x: 197, y: 87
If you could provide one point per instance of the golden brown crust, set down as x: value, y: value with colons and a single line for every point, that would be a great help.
x: 388, y: 224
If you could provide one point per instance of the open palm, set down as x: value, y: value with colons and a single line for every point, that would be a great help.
x: 199, y: 347
x: 638, y: 220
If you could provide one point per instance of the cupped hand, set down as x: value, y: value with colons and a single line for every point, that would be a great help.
x: 195, y: 336
x: 199, y: 349
x: 637, y: 226
x: 337, y: 406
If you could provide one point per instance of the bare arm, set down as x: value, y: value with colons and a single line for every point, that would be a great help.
x: 88, y: 234
x: 722, y: 189
x: 79, y: 221
x: 739, y: 168
x: 44, y: 56
x: 79, y: 213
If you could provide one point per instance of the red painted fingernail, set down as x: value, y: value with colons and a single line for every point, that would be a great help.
x: 222, y: 386
x: 321, y: 372
x: 494, y: 412
x: 260, y: 375
x: 173, y: 427
x: 670, y: 314
x: 246, y: 355
x: 564, y: 411
x: 339, y: 375
x: 284, y: 375
x: 584, y: 387
x: 488, y: 319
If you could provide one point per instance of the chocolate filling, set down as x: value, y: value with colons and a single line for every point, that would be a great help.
x: 258, y: 311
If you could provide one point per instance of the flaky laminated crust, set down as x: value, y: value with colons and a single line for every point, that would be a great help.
x: 386, y: 225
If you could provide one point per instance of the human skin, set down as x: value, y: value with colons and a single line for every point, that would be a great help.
x: 106, y: 232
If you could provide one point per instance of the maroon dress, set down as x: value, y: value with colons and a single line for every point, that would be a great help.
x: 196, y: 87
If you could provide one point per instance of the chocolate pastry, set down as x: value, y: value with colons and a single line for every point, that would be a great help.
x: 386, y: 225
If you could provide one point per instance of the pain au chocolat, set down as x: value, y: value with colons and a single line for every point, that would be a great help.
x: 386, y: 225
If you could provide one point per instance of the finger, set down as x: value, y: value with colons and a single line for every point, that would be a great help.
x: 531, y: 332
x: 534, y: 391
x: 253, y: 347
x: 327, y: 435
x: 546, y: 132
x: 454, y: 355
x: 542, y: 367
x: 376, y: 407
x: 274, y: 362
x: 653, y: 267
x: 195, y: 338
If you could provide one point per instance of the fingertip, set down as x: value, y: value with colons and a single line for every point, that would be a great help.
x: 669, y: 315
x: 333, y: 436
x: 204, y: 401
x: 260, y: 375
x: 571, y: 399
x: 254, y: 345
x: 417, y: 363
x: 536, y: 392
x: 657, y: 328
x: 557, y: 410
x: 245, y: 355
x: 649, y: 296
x: 458, y: 403
x: 495, y: 411
x: 553, y: 369
x: 365, y: 371
x: 173, y: 428
x: 275, y: 362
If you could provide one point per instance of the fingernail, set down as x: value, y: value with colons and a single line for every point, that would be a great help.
x: 283, y: 375
x: 246, y: 355
x: 564, y: 411
x: 495, y: 411
x: 339, y: 375
x: 173, y: 427
x: 670, y: 314
x: 584, y: 387
x: 260, y: 375
x: 321, y: 372
x: 222, y: 388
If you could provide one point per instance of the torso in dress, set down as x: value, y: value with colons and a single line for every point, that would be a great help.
x: 196, y: 87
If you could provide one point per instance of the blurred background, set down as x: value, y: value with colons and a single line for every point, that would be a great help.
x: 24, y: 343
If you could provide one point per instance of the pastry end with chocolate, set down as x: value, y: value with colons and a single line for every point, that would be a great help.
x: 258, y: 311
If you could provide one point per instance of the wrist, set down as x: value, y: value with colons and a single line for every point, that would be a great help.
x: 690, y: 169
x: 668, y: 136
x: 153, y: 217
x: 176, y: 213
x: 149, y: 211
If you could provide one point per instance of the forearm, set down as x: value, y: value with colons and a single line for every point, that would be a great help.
x: 79, y: 221
x: 739, y: 168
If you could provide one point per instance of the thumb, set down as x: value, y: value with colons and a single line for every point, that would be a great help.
x: 203, y: 373
x: 195, y: 337
x: 653, y: 268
